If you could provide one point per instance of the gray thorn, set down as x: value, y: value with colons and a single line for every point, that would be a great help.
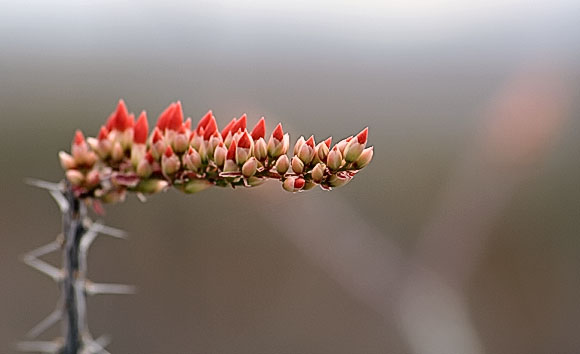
x: 109, y: 289
x: 107, y: 230
x: 63, y: 204
x: 45, y: 324
x: 32, y: 260
x: 40, y: 347
x: 51, y: 186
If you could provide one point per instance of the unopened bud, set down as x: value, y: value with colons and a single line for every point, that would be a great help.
x: 334, y: 159
x: 298, y: 145
x: 192, y: 160
x: 282, y: 164
x: 137, y: 153
x: 353, y: 150
x: 337, y: 181
x: 249, y: 168
x: 169, y: 162
x: 144, y: 168
x: 320, y: 153
x: 196, y: 185
x: 219, y: 155
x: 151, y: 186
x: 365, y: 157
x: 293, y: 184
x: 117, y: 153
x: 92, y: 179
x: 230, y: 166
x: 260, y: 149
x: 180, y: 141
x: 66, y: 161
x: 297, y: 165
x: 75, y: 177
x: 318, y: 172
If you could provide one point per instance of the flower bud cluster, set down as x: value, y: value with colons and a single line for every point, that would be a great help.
x: 126, y: 156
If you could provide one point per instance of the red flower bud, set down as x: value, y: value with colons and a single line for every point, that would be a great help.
x: 259, y: 130
x: 121, y: 120
x: 175, y: 120
x: 141, y: 129
x: 328, y: 142
x: 103, y: 133
x: 362, y: 136
x: 210, y: 128
x: 240, y: 124
x: 228, y: 128
x: 203, y: 122
x: 165, y: 116
x: 79, y: 138
x: 278, y: 133
x: 231, y: 155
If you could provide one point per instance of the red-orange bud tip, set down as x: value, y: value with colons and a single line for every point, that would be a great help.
x: 149, y: 157
x: 362, y: 136
x: 240, y: 124
x: 164, y: 117
x: 278, y: 133
x: 244, y: 141
x: 79, y: 138
x: 168, y: 151
x: 176, y: 118
x: 157, y: 135
x: 204, y: 120
x: 231, y: 155
x: 190, y: 150
x: 259, y: 130
x: 299, y: 183
x: 228, y: 128
x: 210, y: 128
x: 141, y: 129
x: 103, y: 133
x: 121, y: 119
x: 187, y: 123
x: 328, y: 142
x: 310, y: 141
x: 182, y: 129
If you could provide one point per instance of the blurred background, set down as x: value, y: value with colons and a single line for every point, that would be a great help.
x: 462, y: 236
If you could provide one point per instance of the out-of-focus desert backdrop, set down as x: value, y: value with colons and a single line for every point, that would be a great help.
x: 462, y: 236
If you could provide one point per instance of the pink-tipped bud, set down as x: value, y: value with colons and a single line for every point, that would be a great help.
x: 228, y: 128
x: 219, y: 155
x: 362, y: 136
x: 365, y: 158
x: 169, y: 162
x: 180, y: 140
x: 175, y: 120
x: 320, y: 152
x: 210, y: 128
x: 187, y: 123
x: 231, y: 155
x: 66, y: 161
x: 79, y: 138
x: 141, y: 129
x: 306, y: 153
x: 240, y: 124
x: 250, y: 167
x: 353, y: 149
x: 117, y: 154
x: 165, y: 116
x: 260, y: 149
x: 293, y: 184
x: 342, y: 144
x: 92, y: 179
x: 278, y: 143
x: 278, y: 133
x: 328, y: 142
x: 334, y: 159
x: 203, y: 122
x: 298, y: 145
x: 259, y: 130
x: 192, y: 160
x: 282, y: 164
x: 318, y: 172
x: 244, y: 148
x: 144, y: 168
x: 75, y: 177
x: 121, y: 120
x: 297, y: 165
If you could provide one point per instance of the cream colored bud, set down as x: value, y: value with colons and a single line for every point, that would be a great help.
x: 219, y: 155
x: 320, y: 153
x: 318, y: 172
x: 75, y: 177
x: 66, y: 161
x: 242, y: 155
x: 192, y: 160
x: 170, y: 164
x: 306, y: 153
x: 117, y: 154
x: 282, y: 164
x: 138, y: 152
x: 92, y: 179
x: 298, y: 145
x: 144, y: 169
x: 152, y: 186
x: 365, y: 157
x: 334, y: 160
x: 260, y: 149
x: 249, y: 168
x: 337, y: 181
x: 297, y: 165
x: 353, y: 150
x: 180, y: 143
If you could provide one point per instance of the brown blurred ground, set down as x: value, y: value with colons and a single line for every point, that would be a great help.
x: 462, y: 185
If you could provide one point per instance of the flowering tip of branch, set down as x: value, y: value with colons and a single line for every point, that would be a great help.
x: 203, y: 122
x: 168, y: 151
x: 210, y: 128
x: 278, y: 133
x: 240, y: 124
x: 79, y: 138
x: 363, y: 135
x: 245, y: 141
x: 328, y: 142
x: 228, y: 128
x: 231, y: 155
x: 141, y: 129
x: 259, y: 130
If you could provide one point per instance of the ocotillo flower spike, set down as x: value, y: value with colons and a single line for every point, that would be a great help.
x: 134, y: 159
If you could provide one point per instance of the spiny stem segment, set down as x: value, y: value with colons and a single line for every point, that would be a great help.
x: 79, y: 232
